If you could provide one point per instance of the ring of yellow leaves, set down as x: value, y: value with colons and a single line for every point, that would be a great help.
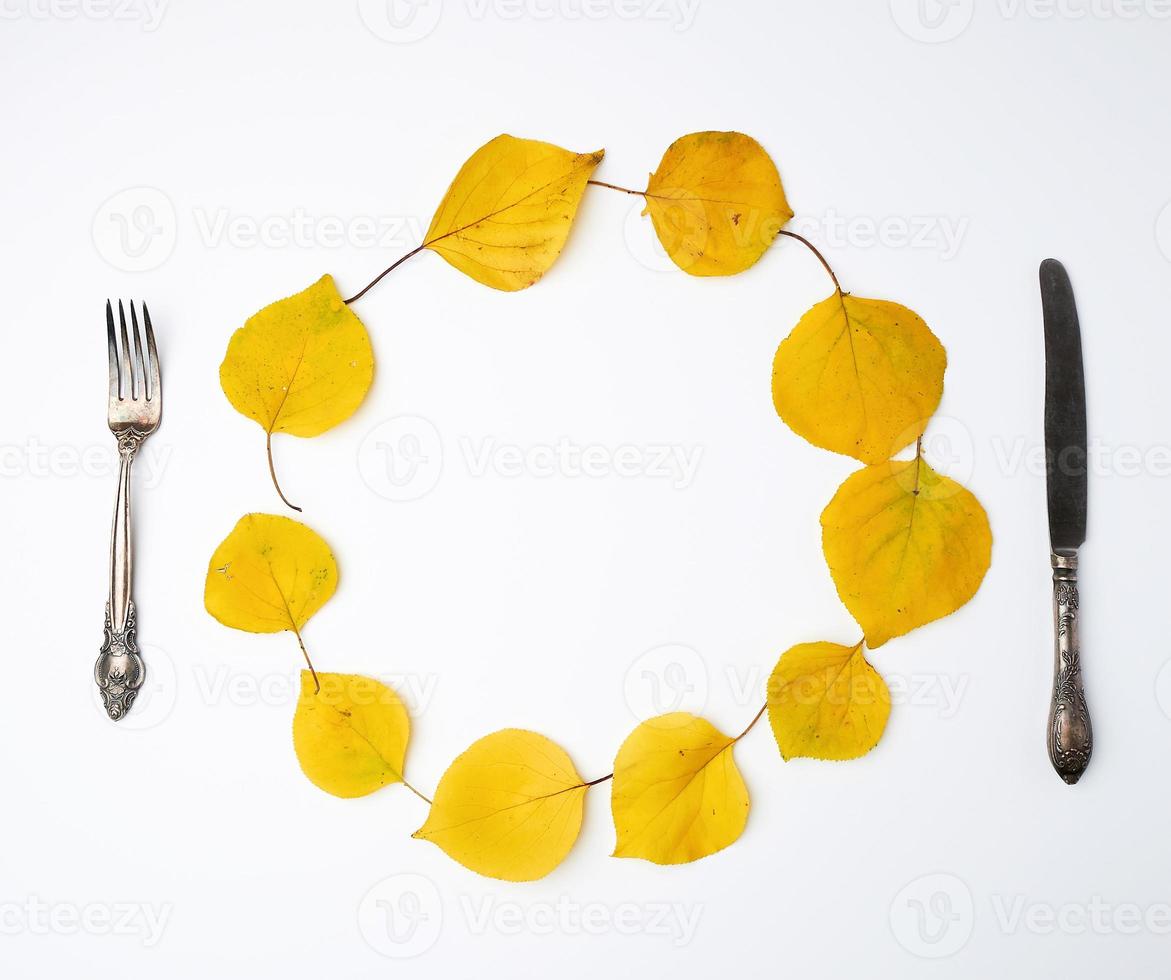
x: 904, y: 545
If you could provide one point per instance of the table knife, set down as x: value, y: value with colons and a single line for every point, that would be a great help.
x: 1070, y: 736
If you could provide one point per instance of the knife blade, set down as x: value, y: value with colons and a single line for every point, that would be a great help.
x: 1070, y: 737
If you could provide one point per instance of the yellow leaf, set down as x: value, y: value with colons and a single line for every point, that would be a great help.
x: 270, y: 574
x: 510, y: 807
x: 826, y: 702
x: 905, y: 546
x: 301, y: 365
x: 350, y: 736
x: 678, y: 795
x: 505, y: 217
x: 716, y: 202
x: 859, y: 377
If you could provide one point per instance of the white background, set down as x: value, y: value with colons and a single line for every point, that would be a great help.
x: 999, y: 135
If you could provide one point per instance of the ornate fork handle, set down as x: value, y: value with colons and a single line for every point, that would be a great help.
x: 1070, y: 736
x: 120, y: 671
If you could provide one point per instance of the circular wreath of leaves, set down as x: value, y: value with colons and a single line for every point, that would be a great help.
x: 904, y: 544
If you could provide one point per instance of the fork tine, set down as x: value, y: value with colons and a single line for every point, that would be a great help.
x: 140, y: 375
x: 112, y: 345
x: 152, y: 355
x: 127, y: 369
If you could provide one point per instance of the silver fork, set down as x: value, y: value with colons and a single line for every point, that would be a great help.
x: 136, y: 403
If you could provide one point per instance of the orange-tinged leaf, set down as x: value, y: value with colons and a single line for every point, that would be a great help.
x: 677, y: 794
x: 716, y: 202
x: 506, y: 216
x: 826, y: 702
x: 905, y: 546
x: 509, y: 807
x: 351, y: 736
x: 859, y: 376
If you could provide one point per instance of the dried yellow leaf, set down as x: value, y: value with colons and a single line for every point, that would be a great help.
x: 677, y: 795
x: 716, y: 202
x: 509, y: 807
x: 506, y: 216
x: 350, y: 736
x: 905, y: 546
x: 270, y: 574
x: 826, y: 702
x: 301, y: 365
x: 859, y: 376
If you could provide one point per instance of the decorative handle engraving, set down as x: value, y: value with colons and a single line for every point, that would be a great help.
x: 119, y: 671
x: 1071, y: 736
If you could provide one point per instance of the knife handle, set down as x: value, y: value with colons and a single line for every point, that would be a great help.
x: 1071, y: 736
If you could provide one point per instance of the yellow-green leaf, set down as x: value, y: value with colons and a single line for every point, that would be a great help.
x: 351, y: 735
x: 716, y: 202
x: 859, y: 376
x: 677, y: 795
x: 510, y: 807
x: 301, y: 365
x: 905, y: 546
x: 506, y: 216
x: 826, y: 702
x: 270, y: 574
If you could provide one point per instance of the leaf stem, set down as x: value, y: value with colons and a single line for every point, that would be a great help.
x: 814, y: 249
x: 272, y: 473
x: 615, y: 187
x: 918, y: 463
x: 752, y: 723
x: 305, y: 653
x: 385, y: 272
x: 600, y: 779
x: 425, y: 799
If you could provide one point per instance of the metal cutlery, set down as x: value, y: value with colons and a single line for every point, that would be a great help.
x: 1070, y: 736
x: 135, y: 407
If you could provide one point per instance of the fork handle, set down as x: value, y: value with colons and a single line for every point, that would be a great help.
x: 119, y: 671
x: 1070, y: 735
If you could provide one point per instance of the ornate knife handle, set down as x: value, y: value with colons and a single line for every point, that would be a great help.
x: 119, y: 671
x: 1071, y: 736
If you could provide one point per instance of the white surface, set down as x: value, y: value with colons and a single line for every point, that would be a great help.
x: 533, y: 600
